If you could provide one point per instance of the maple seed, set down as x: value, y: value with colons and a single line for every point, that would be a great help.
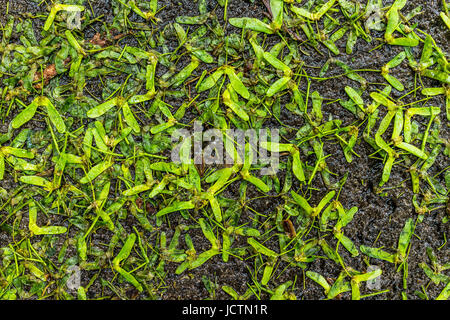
x: 289, y: 228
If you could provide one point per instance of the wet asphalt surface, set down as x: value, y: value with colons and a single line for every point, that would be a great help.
x: 379, y: 217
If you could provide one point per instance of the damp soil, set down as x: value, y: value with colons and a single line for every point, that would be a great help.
x: 380, y: 218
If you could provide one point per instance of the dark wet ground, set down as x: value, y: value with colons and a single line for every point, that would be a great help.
x: 379, y: 217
